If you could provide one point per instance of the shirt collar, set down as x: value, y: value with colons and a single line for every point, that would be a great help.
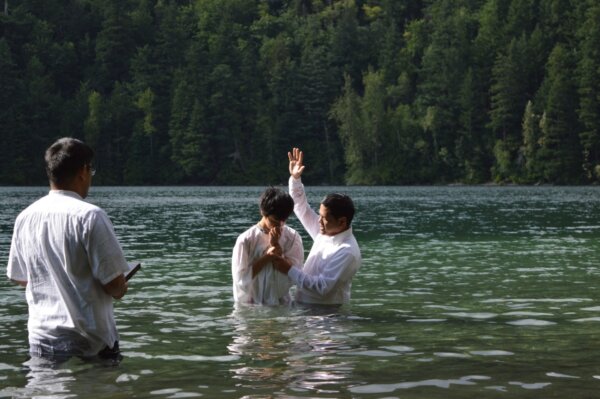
x: 338, y: 238
x: 66, y: 193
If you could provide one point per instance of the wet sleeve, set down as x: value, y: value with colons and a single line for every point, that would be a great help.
x: 241, y: 272
x: 307, y: 216
x: 105, y: 255
x: 16, y: 269
x: 295, y: 253
x: 338, y: 268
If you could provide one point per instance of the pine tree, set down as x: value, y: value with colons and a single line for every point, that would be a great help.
x: 509, y: 97
x: 560, y: 147
x: 588, y: 74
x: 442, y: 73
x: 12, y: 96
x: 531, y: 144
x: 346, y: 111
x: 114, y: 47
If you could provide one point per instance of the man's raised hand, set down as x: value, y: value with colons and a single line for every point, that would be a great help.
x: 296, y: 166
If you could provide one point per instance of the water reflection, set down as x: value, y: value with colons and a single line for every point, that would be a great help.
x: 47, y: 377
x: 294, y: 349
x: 55, y: 378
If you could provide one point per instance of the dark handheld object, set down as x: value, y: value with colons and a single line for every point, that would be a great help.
x: 134, y: 267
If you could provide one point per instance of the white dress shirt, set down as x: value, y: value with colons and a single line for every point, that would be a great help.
x: 326, y: 277
x: 268, y: 287
x: 66, y: 249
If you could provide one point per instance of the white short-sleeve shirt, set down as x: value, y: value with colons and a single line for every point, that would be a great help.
x: 268, y: 287
x: 66, y: 249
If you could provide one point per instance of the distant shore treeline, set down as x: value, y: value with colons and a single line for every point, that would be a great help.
x: 374, y: 91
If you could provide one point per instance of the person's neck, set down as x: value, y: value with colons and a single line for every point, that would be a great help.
x: 67, y: 187
x: 263, y: 224
x: 339, y: 232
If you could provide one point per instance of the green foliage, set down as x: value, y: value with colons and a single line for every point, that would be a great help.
x: 374, y: 91
x: 588, y: 75
x: 532, y: 138
x: 560, y: 147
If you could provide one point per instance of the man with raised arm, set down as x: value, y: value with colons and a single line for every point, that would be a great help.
x: 334, y: 259
x: 65, y: 252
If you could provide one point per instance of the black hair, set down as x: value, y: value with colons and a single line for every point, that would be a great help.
x: 276, y: 202
x: 339, y: 205
x: 65, y: 158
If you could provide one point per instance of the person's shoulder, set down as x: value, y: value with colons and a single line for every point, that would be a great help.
x: 37, y: 204
x: 90, y: 213
x: 90, y: 209
x: 73, y: 203
x: 348, y: 240
x: 290, y: 232
x: 42, y: 206
x: 288, y: 229
x: 352, y: 246
x: 249, y: 234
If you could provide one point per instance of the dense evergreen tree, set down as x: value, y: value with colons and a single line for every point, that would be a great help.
x: 445, y: 63
x: 375, y: 91
x: 560, y: 148
x: 588, y: 73
x: 509, y: 97
x: 531, y: 144
x: 13, y: 161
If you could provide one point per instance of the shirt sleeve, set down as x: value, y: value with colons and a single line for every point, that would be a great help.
x: 15, y: 269
x: 105, y: 255
x: 295, y: 253
x: 241, y: 273
x: 308, y: 217
x: 337, y: 269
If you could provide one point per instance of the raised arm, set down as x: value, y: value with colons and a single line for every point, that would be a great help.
x: 296, y: 158
x: 307, y: 216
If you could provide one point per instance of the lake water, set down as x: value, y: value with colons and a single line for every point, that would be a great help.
x: 464, y: 292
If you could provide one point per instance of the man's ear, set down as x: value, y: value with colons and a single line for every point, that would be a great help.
x: 81, y: 173
x: 344, y: 220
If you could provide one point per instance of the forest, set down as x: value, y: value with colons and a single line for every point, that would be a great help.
x: 376, y: 92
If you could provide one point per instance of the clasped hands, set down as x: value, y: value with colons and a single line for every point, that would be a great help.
x: 275, y: 252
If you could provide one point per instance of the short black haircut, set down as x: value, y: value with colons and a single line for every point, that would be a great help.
x: 339, y: 205
x: 65, y: 158
x: 276, y: 202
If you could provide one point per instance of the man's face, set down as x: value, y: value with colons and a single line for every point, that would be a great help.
x: 330, y: 225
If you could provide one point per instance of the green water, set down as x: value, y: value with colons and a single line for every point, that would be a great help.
x: 464, y: 292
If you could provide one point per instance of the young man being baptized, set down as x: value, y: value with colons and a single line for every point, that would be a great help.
x: 255, y: 281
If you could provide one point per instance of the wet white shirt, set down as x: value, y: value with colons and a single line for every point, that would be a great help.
x: 268, y: 287
x: 326, y: 277
x: 66, y: 249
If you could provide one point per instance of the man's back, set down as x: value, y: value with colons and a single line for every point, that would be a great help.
x: 65, y: 249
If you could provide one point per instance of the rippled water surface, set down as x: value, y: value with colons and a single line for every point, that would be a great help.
x: 464, y: 292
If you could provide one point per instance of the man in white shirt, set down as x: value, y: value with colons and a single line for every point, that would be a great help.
x: 255, y: 281
x: 334, y: 259
x: 65, y: 252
